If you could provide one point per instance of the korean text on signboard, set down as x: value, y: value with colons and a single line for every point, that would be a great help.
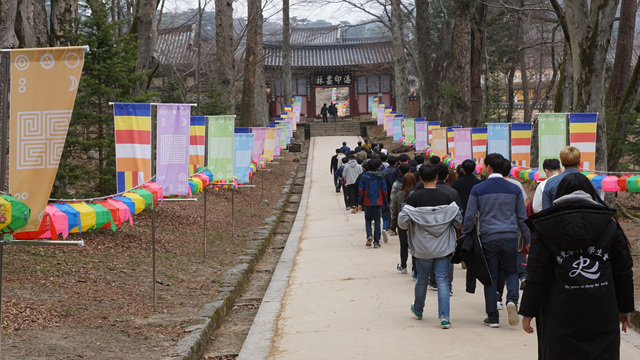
x: 332, y: 79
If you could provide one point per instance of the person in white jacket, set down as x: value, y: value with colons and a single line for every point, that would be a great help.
x: 431, y: 217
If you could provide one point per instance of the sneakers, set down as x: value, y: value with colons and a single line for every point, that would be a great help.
x: 450, y: 293
x: 401, y: 269
x: 392, y: 233
x: 512, y: 310
x: 348, y: 208
x: 369, y: 241
x: 445, y: 323
x: 417, y: 314
x: 376, y: 245
x: 414, y: 276
x: 432, y: 288
x: 499, y: 305
x: 492, y: 323
x: 354, y: 210
x: 384, y: 237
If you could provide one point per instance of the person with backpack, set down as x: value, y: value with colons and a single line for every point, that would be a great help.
x: 324, y: 111
x: 372, y: 198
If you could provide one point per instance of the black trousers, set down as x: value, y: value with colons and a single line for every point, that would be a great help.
x: 352, y: 195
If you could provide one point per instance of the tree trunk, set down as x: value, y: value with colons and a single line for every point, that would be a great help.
x: 31, y: 24
x: 144, y: 26
x: 62, y: 21
x: 199, y: 52
x: 441, y: 67
x: 478, y: 31
x: 590, y: 31
x: 423, y: 37
x: 624, y: 52
x: 524, y: 76
x: 563, y: 101
x: 510, y: 93
x: 461, y: 57
x: 225, y: 64
x: 254, y: 107
x: 399, y: 59
x: 286, y: 52
x: 8, y: 37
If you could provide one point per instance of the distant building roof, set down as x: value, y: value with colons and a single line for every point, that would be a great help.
x: 331, y: 56
x: 328, y: 47
x: 176, y: 45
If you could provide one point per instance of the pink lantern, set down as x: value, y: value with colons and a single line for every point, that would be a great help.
x: 610, y: 184
x: 479, y: 168
x: 536, y: 176
x: 515, y: 171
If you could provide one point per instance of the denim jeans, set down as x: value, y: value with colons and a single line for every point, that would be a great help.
x: 522, y: 273
x: 441, y: 266
x: 386, y: 217
x: 372, y: 213
x: 501, y: 252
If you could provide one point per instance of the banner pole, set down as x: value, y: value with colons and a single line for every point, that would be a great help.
x: 153, y: 223
x: 1, y: 266
x: 206, y: 164
x: 233, y: 216
x: 6, y: 59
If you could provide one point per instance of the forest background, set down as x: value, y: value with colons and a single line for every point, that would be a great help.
x: 484, y: 59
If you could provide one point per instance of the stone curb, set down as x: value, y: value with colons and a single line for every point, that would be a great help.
x: 212, y: 314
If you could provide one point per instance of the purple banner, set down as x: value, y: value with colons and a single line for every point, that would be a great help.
x: 464, y: 146
x: 172, y: 156
x: 258, y: 142
x: 279, y: 136
x: 422, y: 134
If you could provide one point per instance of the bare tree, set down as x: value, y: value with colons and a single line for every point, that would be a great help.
x: 31, y: 24
x: 144, y: 26
x: 8, y: 38
x: 590, y: 31
x: 399, y: 58
x: 254, y: 105
x: 62, y: 21
x: 225, y: 63
x: 423, y: 36
x: 461, y: 58
x: 624, y: 52
x: 286, y: 52
x: 478, y: 31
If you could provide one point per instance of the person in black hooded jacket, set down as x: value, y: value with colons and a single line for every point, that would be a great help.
x: 580, y: 278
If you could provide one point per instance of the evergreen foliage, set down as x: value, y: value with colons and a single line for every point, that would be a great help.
x: 87, y: 167
x: 213, y: 103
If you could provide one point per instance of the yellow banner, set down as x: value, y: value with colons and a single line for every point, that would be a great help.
x: 44, y: 83
x: 270, y: 143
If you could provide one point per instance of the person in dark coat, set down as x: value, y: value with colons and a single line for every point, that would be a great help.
x: 580, y: 277
x: 465, y: 182
x: 324, y: 111
x: 334, y: 168
x: 333, y: 111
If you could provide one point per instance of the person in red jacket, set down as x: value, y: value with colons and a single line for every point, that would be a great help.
x: 372, y: 198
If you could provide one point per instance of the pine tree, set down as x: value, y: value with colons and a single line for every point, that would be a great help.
x: 87, y: 167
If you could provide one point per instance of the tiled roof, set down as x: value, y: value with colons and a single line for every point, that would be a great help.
x: 316, y: 36
x: 332, y: 55
x: 176, y: 45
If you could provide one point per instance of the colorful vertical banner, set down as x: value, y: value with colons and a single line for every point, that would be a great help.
x: 397, y: 129
x: 243, y: 146
x: 439, y: 141
x: 220, y: 147
x: 387, y: 113
x: 172, y: 149
x: 44, y: 83
x: 464, y: 146
x: 373, y: 105
x: 451, y: 144
x: 582, y: 134
x: 432, y: 125
x: 196, y: 143
x: 422, y: 134
x: 479, y: 140
x: 409, y: 131
x: 380, y: 116
x: 133, y: 144
x: 521, y: 144
x: 498, y: 139
x: 270, y: 142
x: 258, y: 142
x: 552, y: 136
x: 389, y: 122
x: 285, y: 138
x: 279, y: 134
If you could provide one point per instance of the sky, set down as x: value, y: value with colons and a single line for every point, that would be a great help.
x: 331, y: 12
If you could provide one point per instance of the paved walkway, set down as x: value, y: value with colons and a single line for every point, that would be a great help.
x: 347, y: 301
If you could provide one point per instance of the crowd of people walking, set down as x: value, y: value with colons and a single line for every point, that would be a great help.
x: 563, y: 248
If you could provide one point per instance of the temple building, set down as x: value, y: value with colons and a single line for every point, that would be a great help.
x: 327, y: 66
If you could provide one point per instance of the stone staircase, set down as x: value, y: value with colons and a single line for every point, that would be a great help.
x: 340, y: 128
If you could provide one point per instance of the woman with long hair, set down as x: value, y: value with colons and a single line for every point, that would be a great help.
x: 580, y: 278
x: 399, y: 193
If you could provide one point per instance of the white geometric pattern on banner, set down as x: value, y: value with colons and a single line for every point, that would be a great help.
x: 41, y: 137
x: 174, y: 149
